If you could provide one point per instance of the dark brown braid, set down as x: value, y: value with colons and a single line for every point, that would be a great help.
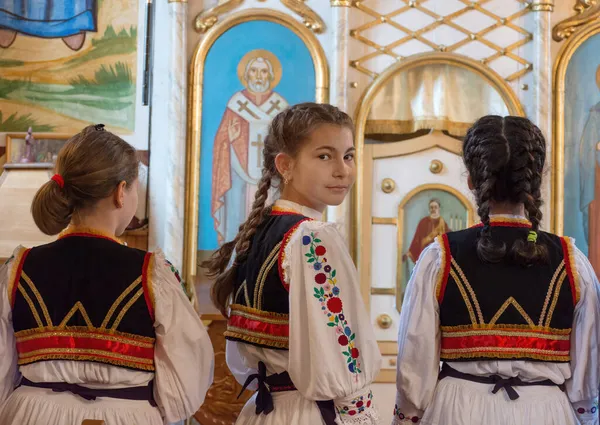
x: 286, y: 133
x: 505, y: 158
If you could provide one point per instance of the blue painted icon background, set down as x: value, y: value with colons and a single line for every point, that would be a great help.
x: 220, y: 82
x: 581, y: 94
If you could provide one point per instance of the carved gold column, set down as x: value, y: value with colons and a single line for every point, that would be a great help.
x: 542, y: 6
x: 339, y: 89
x: 222, y: 405
x: 541, y: 112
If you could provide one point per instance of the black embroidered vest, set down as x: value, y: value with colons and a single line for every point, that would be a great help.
x: 504, y: 310
x: 260, y: 309
x: 84, y: 297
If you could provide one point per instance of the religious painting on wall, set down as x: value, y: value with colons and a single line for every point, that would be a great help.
x: 578, y: 134
x: 29, y: 148
x: 426, y: 213
x: 245, y: 70
x: 66, y: 64
x: 252, y: 72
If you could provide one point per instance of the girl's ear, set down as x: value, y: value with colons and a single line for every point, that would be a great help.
x: 285, y: 165
x: 470, y: 183
x: 119, y: 194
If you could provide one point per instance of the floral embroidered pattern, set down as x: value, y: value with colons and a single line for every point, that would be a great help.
x: 358, y: 405
x: 399, y: 416
x: 178, y: 276
x: 327, y: 292
x: 592, y: 410
x: 173, y: 270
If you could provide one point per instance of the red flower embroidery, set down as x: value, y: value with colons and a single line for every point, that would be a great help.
x: 334, y: 304
x: 357, y: 405
x: 320, y: 278
x: 331, y: 304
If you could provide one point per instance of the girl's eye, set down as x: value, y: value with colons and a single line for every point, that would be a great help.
x: 349, y: 157
x: 324, y: 156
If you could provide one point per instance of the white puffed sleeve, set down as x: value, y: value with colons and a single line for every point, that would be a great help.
x: 419, y: 336
x: 582, y: 388
x: 333, y: 353
x: 184, y: 356
x: 9, y: 372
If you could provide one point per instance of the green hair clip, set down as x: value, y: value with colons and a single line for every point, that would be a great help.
x: 532, y: 237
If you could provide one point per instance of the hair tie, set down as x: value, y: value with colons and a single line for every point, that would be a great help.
x: 532, y: 237
x: 59, y: 179
x: 99, y: 127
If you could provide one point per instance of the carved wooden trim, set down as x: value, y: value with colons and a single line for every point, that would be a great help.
x: 207, y: 18
x: 221, y: 405
x: 311, y: 19
x: 587, y: 11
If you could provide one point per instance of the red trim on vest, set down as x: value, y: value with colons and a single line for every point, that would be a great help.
x: 285, y: 241
x: 284, y: 213
x: 506, y: 224
x: 488, y: 343
x: 275, y: 210
x: 147, y: 285
x: 89, y: 235
x: 18, y: 277
x: 569, y: 267
x: 68, y: 234
x: 446, y: 271
x: 107, y: 347
x: 273, y: 329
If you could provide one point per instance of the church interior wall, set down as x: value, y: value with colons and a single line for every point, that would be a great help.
x: 162, y: 131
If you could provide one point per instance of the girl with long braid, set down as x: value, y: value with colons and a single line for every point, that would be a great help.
x: 298, y: 331
x: 511, y: 311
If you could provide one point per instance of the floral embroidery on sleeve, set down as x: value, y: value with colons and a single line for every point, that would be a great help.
x: 178, y: 276
x: 327, y: 292
x: 357, y: 405
x: 401, y: 417
x: 173, y: 270
x: 593, y: 409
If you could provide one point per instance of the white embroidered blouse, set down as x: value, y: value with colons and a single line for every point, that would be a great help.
x: 333, y: 353
x: 418, y: 360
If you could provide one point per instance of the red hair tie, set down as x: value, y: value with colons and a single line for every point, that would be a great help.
x: 58, y: 179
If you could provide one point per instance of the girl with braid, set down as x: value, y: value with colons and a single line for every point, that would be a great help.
x: 512, y: 312
x: 298, y: 331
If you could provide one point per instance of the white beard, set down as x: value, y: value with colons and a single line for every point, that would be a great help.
x: 435, y: 216
x: 257, y: 87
